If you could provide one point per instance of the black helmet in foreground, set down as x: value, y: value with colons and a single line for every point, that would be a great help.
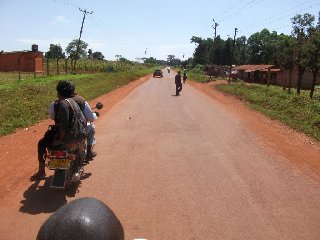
x: 84, y: 218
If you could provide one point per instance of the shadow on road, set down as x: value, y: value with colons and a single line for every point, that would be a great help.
x: 43, y: 199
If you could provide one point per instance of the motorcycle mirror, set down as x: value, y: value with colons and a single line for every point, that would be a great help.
x: 99, y: 105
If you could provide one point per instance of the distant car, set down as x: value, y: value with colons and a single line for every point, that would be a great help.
x: 158, y: 73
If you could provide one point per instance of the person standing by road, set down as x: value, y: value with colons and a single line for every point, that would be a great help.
x: 178, y: 83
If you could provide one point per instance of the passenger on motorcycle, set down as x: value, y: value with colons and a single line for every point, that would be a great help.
x: 58, y: 133
x: 90, y: 117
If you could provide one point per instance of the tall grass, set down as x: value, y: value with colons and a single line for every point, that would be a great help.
x: 298, y: 112
x: 25, y: 102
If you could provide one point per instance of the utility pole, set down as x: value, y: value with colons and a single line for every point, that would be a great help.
x: 215, y: 35
x: 231, y: 59
x: 85, y: 12
x: 215, y: 28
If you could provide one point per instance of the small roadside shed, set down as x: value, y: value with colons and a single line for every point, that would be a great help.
x: 261, y: 73
x: 24, y: 61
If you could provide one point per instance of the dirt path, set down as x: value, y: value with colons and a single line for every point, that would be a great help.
x: 198, y: 166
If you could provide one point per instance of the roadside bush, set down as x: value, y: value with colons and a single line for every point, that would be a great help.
x: 198, y: 69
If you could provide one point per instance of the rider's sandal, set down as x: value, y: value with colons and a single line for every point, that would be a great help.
x: 37, y: 177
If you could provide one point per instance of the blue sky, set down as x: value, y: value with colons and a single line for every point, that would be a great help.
x: 130, y: 27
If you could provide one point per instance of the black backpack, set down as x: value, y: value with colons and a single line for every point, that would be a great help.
x: 77, y: 132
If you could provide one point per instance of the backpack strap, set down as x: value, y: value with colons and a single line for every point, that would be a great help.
x: 75, y: 114
x: 70, y: 105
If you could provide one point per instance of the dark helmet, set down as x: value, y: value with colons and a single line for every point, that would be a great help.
x: 65, y: 88
x: 84, y: 218
x: 99, y: 105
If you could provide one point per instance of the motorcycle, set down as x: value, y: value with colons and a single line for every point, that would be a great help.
x: 67, y: 161
x: 184, y: 78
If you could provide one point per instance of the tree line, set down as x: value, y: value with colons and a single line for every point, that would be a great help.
x: 55, y: 51
x: 301, y: 49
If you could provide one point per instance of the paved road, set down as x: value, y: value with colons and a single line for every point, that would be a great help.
x: 182, y: 168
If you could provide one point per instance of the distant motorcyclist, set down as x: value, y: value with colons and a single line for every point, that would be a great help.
x: 59, y: 132
x: 84, y: 218
x: 184, y: 77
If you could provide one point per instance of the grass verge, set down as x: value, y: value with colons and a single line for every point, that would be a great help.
x: 198, y: 77
x: 26, y: 102
x: 298, y: 112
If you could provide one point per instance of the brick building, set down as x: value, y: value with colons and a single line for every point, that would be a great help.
x: 264, y: 73
x: 24, y: 61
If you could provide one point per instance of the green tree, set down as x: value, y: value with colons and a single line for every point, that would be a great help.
x: 97, y: 55
x: 312, y: 51
x: 240, y: 51
x: 118, y: 56
x: 302, y: 27
x: 200, y: 53
x: 170, y: 59
x: 72, y: 49
x: 284, y: 55
x: 55, y: 51
x: 227, y: 50
x: 219, y: 51
x: 262, y: 46
x: 150, y: 60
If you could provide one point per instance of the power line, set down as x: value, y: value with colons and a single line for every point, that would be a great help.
x: 238, y: 11
x: 229, y: 9
x: 268, y: 20
x: 64, y: 2
x: 97, y: 20
x: 283, y: 17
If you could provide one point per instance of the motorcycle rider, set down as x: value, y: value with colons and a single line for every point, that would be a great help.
x: 184, y: 77
x: 90, y: 117
x: 58, y: 133
x: 84, y: 218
